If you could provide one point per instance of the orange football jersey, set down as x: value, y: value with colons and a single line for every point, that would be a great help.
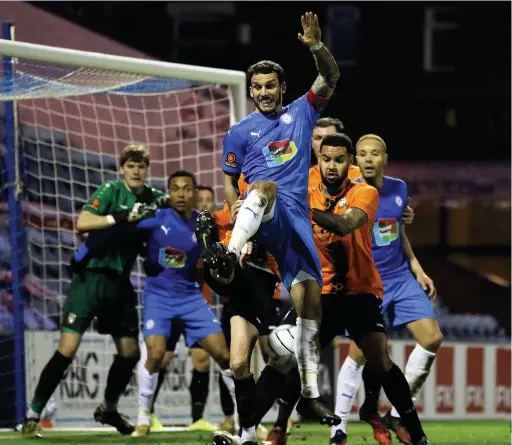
x: 347, y: 261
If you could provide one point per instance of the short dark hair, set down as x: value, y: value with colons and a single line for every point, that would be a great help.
x: 206, y: 187
x: 325, y: 122
x: 338, y: 140
x: 134, y: 153
x: 182, y: 174
x: 266, y: 67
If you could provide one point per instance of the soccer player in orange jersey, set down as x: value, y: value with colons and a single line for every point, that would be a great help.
x: 323, y: 127
x: 343, y: 213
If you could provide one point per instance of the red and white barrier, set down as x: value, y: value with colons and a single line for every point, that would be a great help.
x: 467, y: 380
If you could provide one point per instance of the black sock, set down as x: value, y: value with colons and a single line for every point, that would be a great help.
x: 269, y: 387
x: 245, y: 391
x: 372, y: 385
x: 289, y: 398
x: 161, y: 377
x: 199, y: 386
x: 226, y: 402
x: 119, y: 375
x: 49, y: 380
x: 397, y: 390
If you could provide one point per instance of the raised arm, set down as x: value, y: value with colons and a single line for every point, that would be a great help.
x: 341, y: 225
x: 328, y: 72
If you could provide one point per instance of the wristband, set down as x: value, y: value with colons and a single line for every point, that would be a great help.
x: 110, y: 220
x: 316, y: 47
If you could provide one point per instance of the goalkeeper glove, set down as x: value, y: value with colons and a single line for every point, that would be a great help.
x: 163, y: 202
x: 138, y: 212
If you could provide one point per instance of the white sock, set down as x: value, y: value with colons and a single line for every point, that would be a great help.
x: 227, y: 378
x: 417, y: 370
x: 307, y: 351
x: 147, y: 387
x: 248, y: 434
x: 32, y: 414
x: 248, y: 221
x: 349, y: 380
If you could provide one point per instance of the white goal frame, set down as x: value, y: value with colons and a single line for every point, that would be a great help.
x: 236, y: 80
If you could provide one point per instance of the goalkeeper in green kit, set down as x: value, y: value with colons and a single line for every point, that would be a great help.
x: 101, y: 288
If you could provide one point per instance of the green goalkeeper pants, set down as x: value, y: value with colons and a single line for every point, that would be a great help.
x: 106, y: 295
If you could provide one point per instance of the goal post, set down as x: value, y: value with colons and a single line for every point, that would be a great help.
x: 67, y: 114
x: 153, y: 68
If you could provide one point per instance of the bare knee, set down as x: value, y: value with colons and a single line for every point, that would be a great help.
x: 432, y: 341
x: 156, y: 355
x: 267, y: 190
x: 356, y: 354
x: 200, y: 360
x: 306, y: 299
x: 128, y: 347
x: 69, y: 343
x: 240, y: 367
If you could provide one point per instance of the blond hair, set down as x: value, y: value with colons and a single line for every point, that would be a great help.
x: 372, y: 136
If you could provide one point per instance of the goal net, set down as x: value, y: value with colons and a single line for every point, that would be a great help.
x: 75, y: 113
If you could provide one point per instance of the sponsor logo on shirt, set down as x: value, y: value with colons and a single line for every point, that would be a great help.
x: 278, y: 153
x: 385, y: 231
x: 171, y: 258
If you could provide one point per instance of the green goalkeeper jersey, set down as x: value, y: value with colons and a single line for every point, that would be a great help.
x: 119, y: 250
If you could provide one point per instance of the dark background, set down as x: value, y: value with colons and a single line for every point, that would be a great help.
x: 459, y: 110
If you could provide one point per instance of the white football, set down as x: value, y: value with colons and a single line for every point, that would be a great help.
x: 282, y: 344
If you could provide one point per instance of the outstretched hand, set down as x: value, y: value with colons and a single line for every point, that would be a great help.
x: 311, y: 32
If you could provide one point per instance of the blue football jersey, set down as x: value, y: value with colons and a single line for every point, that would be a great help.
x: 387, y: 248
x: 173, y: 246
x: 274, y: 148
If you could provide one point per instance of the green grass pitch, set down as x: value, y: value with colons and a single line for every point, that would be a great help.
x: 439, y: 433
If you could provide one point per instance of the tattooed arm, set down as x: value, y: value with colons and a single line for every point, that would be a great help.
x: 342, y: 225
x: 328, y: 73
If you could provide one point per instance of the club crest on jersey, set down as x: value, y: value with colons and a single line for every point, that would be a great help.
x: 398, y: 201
x: 286, y: 118
x: 342, y: 203
x: 279, y: 152
x: 170, y: 258
x: 385, y: 231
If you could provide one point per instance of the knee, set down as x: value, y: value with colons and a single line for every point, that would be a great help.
x: 132, y: 352
x: 239, y: 367
x: 432, y: 341
x: 202, y: 363
x: 267, y: 189
x: 156, y: 355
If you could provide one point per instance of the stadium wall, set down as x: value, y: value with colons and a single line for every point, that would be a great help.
x: 468, y: 380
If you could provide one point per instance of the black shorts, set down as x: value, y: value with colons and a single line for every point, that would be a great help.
x: 250, y: 297
x: 177, y: 330
x: 356, y: 314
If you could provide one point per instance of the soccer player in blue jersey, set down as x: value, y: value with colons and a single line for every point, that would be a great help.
x: 407, y: 294
x: 173, y: 292
x: 271, y: 148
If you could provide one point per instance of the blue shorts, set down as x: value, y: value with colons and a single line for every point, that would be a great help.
x: 288, y: 236
x: 160, y: 307
x: 405, y: 301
